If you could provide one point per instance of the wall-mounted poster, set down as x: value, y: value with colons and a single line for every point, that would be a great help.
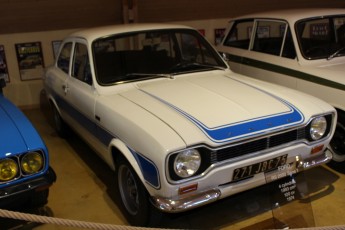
x: 30, y: 60
x: 3, y: 65
x: 56, y: 46
x: 319, y: 30
x: 218, y: 35
x: 202, y: 32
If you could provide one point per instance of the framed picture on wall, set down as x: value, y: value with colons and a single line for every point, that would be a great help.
x: 218, y: 35
x: 3, y: 65
x: 263, y: 31
x: 202, y: 32
x: 30, y: 60
x: 319, y: 30
x: 56, y: 45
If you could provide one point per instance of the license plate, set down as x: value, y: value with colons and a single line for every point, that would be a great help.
x: 264, y: 166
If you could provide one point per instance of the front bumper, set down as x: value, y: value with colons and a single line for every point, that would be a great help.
x: 209, y: 196
x: 11, y: 194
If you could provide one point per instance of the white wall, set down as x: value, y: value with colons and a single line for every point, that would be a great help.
x: 26, y: 94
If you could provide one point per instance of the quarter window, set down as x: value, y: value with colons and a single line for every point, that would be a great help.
x: 64, y: 57
x: 240, y: 34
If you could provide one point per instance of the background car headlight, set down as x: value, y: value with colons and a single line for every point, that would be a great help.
x: 318, y: 128
x: 32, y: 163
x: 8, y: 169
x: 187, y: 163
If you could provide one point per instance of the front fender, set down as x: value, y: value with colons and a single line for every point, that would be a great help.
x: 116, y: 146
x: 146, y: 169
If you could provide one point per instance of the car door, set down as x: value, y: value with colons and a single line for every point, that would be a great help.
x: 236, y: 44
x: 80, y: 93
x: 270, y: 53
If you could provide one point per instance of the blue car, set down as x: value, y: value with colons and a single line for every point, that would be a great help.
x: 25, y: 174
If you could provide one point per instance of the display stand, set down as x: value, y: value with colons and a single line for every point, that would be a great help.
x: 291, y: 206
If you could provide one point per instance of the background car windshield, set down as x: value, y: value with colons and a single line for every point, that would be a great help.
x: 322, y: 37
x: 143, y: 55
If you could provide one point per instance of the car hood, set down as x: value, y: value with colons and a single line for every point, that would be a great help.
x: 223, y: 108
x: 17, y: 134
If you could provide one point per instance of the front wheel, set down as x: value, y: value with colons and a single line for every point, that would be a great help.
x: 60, y: 125
x: 337, y: 144
x: 39, y: 198
x: 134, y: 197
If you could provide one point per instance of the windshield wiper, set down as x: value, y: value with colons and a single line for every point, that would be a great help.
x: 186, y: 65
x: 335, y: 53
x: 170, y: 76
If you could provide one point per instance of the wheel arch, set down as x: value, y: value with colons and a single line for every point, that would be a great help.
x: 338, y: 156
x: 52, y: 102
x: 119, y: 150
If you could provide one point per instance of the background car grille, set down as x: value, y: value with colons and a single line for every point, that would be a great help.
x: 258, y: 145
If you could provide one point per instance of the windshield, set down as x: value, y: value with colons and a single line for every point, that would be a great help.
x: 321, y: 38
x: 147, y: 54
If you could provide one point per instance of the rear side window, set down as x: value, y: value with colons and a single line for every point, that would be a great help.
x: 239, y: 35
x: 273, y: 37
x: 64, y: 57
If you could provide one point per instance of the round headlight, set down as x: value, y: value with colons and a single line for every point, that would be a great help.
x: 32, y: 163
x: 318, y: 128
x: 8, y: 169
x: 187, y: 163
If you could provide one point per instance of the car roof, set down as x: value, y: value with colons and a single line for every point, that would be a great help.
x: 293, y: 15
x: 97, y: 32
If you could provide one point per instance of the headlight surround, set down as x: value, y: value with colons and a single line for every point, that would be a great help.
x: 187, y: 163
x: 318, y: 127
x: 8, y: 169
x: 32, y: 162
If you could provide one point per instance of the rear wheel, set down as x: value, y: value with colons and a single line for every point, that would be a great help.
x: 337, y: 143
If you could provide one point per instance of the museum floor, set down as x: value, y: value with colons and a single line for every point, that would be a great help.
x: 84, y: 191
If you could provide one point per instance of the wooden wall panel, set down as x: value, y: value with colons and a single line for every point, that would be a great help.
x: 41, y: 15
x: 19, y: 16
x: 181, y: 10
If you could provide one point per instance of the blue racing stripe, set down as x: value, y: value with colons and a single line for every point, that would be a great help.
x: 228, y: 132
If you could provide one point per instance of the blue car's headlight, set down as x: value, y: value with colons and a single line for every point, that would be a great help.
x: 32, y: 162
x: 8, y: 169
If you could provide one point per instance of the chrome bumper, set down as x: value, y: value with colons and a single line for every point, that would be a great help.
x: 313, y: 162
x: 209, y: 196
x: 189, y: 202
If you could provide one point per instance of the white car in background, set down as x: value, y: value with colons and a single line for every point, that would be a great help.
x: 301, y: 49
x: 180, y: 129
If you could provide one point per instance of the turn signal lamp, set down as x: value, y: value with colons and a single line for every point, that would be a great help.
x: 8, y: 169
x: 317, y: 149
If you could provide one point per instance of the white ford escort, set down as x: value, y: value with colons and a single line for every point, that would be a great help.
x: 180, y: 129
x: 301, y: 49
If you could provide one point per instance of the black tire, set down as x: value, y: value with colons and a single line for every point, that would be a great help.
x: 337, y: 144
x: 134, y: 197
x: 39, y: 198
x: 59, y: 124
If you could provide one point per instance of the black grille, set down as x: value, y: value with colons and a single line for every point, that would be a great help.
x: 258, y: 145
